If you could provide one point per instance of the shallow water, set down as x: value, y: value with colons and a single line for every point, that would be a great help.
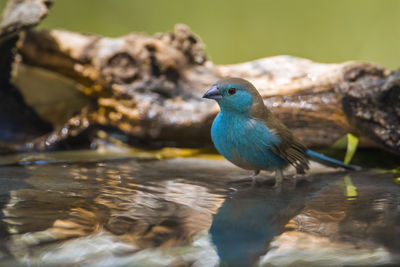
x: 192, y: 211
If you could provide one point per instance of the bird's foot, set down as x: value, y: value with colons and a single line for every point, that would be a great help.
x: 289, y: 182
x: 252, y: 179
x: 246, y: 180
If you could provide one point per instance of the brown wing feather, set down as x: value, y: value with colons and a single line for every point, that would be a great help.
x: 290, y: 148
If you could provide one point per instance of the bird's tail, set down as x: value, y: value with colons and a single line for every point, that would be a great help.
x: 325, y: 160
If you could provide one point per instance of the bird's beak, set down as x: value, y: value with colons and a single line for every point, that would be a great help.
x: 213, y: 93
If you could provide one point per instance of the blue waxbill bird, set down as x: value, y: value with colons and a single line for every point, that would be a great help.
x: 247, y: 134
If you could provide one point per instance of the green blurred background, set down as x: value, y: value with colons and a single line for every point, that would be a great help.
x: 236, y: 31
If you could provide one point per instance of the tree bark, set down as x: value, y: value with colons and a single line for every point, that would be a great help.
x: 151, y: 88
x: 18, y: 121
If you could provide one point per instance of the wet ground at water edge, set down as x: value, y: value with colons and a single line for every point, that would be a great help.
x: 192, y: 212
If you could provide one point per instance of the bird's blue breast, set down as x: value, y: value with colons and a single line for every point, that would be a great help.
x: 245, y: 141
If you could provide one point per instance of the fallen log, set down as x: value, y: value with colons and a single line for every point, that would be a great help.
x: 151, y: 87
x: 18, y: 122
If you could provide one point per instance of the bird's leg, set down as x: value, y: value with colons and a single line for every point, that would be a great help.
x: 253, y: 177
x: 278, y: 178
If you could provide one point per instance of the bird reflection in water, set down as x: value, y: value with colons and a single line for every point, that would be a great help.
x: 317, y: 224
x: 185, y: 212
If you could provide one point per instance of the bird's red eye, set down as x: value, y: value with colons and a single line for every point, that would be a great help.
x: 231, y: 91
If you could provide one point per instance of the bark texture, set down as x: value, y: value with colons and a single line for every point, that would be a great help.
x: 150, y: 87
x: 18, y: 122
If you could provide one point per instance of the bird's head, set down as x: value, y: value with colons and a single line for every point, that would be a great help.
x: 235, y: 95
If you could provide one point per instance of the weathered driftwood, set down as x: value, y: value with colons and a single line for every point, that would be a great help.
x: 18, y: 122
x: 151, y: 87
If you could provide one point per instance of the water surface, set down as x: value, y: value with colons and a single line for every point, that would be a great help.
x: 192, y: 211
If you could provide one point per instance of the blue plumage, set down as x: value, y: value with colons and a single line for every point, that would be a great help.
x: 321, y: 158
x: 246, y: 133
x: 245, y: 141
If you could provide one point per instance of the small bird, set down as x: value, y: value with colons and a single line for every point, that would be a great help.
x: 247, y: 134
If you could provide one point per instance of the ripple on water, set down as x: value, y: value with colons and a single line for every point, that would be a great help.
x: 184, y: 211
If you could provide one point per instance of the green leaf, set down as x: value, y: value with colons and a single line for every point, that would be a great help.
x: 341, y: 143
x: 351, y: 190
x: 352, y: 142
